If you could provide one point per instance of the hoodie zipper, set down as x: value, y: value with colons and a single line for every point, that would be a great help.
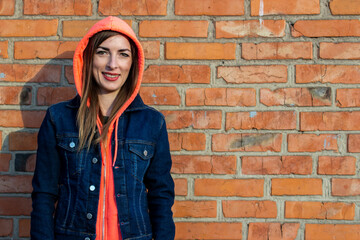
x: 104, y: 197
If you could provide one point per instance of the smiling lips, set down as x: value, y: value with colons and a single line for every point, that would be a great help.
x: 110, y: 76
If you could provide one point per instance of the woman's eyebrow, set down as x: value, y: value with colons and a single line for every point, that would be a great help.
x: 120, y: 50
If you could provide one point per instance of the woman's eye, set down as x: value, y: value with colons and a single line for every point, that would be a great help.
x: 101, y: 52
x: 125, y: 54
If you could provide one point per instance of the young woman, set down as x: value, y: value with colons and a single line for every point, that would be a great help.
x: 103, y: 157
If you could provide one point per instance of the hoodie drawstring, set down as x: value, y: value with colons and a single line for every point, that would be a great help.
x: 116, y: 140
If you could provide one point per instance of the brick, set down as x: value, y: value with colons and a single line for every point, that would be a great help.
x: 28, y: 28
x: 296, y: 97
x: 194, y: 209
x: 187, y: 141
x: 353, y: 143
x: 284, y: 7
x: 15, y: 206
x: 15, y: 118
x: 5, y: 159
x: 248, y: 142
x: 276, y: 165
x: 0, y: 139
x: 15, y: 95
x: 199, y: 164
x: 22, y: 141
x: 25, y: 162
x: 6, y: 225
x: 208, y: 230
x: 320, y: 210
x: 44, y: 49
x: 132, y: 7
x: 30, y: 73
x: 200, y: 51
x: 173, y: 28
x: 24, y: 227
x: 336, y: 165
x: 277, y: 50
x: 323, y: 121
x: 249, y: 209
x: 326, y: 28
x: 348, y: 74
x: 296, y: 186
x: 345, y: 187
x: 312, y: 142
x: 276, y: 231
x: 49, y: 95
x: 4, y: 49
x: 210, y: 7
x: 250, y: 28
x: 342, y: 7
x: 7, y: 7
x: 332, y: 231
x: 151, y: 49
x: 194, y: 119
x: 337, y: 50
x: 58, y: 7
x: 244, y: 97
x: 275, y: 120
x: 177, y: 74
x: 229, y: 187
x: 15, y: 184
x: 160, y: 95
x: 69, y: 74
x: 253, y: 74
x: 348, y: 97
x: 180, y: 186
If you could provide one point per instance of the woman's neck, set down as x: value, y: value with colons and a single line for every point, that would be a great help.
x: 106, y: 102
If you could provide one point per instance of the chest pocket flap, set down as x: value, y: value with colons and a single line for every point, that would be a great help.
x: 143, y: 151
x: 69, y: 143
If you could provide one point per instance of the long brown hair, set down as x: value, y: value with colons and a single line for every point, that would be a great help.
x: 87, y: 115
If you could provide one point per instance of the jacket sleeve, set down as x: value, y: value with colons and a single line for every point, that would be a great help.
x: 160, y: 187
x: 45, y: 182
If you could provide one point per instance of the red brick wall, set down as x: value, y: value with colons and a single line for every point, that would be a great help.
x: 261, y: 99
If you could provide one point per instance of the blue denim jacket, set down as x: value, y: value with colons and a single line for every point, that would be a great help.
x: 144, y: 188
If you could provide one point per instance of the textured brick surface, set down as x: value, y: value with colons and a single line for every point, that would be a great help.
x: 284, y: 7
x: 209, y: 7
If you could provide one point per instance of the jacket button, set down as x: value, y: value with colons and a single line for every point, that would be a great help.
x: 72, y: 145
x: 87, y: 238
x: 94, y: 160
x: 89, y: 216
x: 92, y: 188
x: 145, y: 153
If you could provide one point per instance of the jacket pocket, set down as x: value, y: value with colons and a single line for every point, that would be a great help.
x: 68, y: 149
x: 140, y: 156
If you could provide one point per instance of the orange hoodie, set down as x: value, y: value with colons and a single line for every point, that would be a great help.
x: 107, y: 224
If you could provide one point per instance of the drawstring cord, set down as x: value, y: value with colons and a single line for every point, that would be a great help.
x: 116, y: 140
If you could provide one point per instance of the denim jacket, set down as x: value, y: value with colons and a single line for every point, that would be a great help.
x: 144, y: 188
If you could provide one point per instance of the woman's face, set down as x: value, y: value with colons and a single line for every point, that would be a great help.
x: 111, y: 64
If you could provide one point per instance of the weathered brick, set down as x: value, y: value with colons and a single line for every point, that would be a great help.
x: 296, y: 97
x: 15, y: 118
x: 332, y: 231
x: 0, y: 139
x: 6, y: 229
x: 28, y: 28
x: 207, y: 230
x: 345, y: 187
x: 320, y: 210
x: 250, y: 28
x: 15, y: 95
x: 200, y: 51
x: 229, y: 187
x: 50, y: 95
x: 248, y: 142
x: 180, y: 186
x: 160, y: 95
x: 253, y: 74
x: 348, y: 74
x: 276, y: 231
x: 284, y: 7
x: 277, y: 50
x: 188, y: 141
x: 348, y: 97
x: 194, y: 209
x: 7, y: 7
x: 25, y: 162
x: 30, y: 73
x: 44, y: 49
x: 326, y: 28
x: 4, y: 49
x: 332, y: 121
x: 151, y: 49
x: 337, y: 50
x: 354, y: 143
x: 296, y: 186
x: 15, y: 206
x: 195, y: 119
x: 132, y: 7
x: 22, y: 141
x: 173, y: 28
x: 337, y: 165
x: 312, y: 142
x: 276, y: 165
x: 209, y: 7
x: 15, y: 184
x: 69, y: 74
x: 177, y: 74
x: 24, y: 227
x: 199, y: 164
x: 275, y: 120
x: 57, y: 7
x: 249, y: 209
x: 5, y: 159
x: 342, y: 7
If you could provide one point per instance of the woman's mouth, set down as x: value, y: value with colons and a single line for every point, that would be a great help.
x: 110, y: 76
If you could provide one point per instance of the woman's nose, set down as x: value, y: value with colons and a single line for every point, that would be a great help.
x: 112, y: 63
